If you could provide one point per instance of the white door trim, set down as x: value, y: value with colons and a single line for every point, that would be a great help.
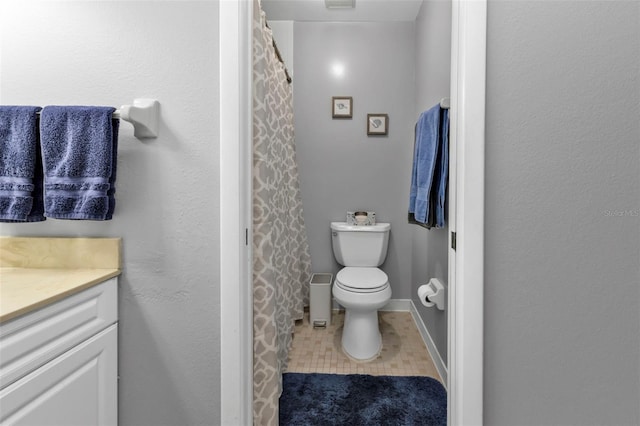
x: 466, y: 280
x: 466, y: 295
x: 236, y: 296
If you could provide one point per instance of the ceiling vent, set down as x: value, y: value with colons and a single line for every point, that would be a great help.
x: 340, y: 4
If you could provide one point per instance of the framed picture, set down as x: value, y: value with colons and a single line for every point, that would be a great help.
x: 377, y: 124
x: 342, y: 107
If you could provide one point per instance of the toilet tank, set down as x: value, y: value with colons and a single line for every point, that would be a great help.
x: 364, y: 246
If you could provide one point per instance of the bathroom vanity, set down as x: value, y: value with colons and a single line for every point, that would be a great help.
x: 58, y: 331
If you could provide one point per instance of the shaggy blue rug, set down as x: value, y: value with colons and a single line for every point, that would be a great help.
x: 355, y: 399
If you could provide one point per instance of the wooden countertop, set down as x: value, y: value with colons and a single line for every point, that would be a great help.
x: 35, y: 272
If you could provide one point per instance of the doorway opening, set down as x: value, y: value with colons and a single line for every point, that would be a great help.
x: 465, y: 262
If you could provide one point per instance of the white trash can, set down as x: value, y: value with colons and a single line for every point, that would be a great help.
x: 320, y: 300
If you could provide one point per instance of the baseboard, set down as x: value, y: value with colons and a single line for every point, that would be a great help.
x: 397, y: 305
x: 394, y: 305
x: 407, y: 305
x: 431, y: 346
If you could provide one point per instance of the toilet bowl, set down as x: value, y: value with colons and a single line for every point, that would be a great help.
x: 361, y: 287
x: 361, y: 291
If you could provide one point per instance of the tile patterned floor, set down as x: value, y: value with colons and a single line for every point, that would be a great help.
x: 403, y: 350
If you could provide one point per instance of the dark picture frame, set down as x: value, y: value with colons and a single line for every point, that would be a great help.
x: 377, y: 124
x: 342, y: 107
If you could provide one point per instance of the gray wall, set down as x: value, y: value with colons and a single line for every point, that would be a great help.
x: 341, y: 168
x: 107, y: 53
x: 433, y: 68
x: 562, y: 225
x: 563, y: 192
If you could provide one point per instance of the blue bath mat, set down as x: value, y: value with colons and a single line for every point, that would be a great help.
x: 355, y: 399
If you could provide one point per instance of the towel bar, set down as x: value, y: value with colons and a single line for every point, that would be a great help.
x: 116, y: 114
x: 143, y: 115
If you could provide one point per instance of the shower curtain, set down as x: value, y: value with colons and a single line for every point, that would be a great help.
x: 281, y: 261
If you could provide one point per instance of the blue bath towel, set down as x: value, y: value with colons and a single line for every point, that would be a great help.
x: 441, y: 172
x: 79, y: 150
x: 424, y: 161
x: 20, y: 165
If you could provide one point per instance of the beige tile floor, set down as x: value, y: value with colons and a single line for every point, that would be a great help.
x: 403, y: 350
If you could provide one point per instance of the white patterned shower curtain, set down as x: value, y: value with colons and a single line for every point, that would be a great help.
x: 281, y: 261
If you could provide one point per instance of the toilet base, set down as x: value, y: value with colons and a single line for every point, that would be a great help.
x: 361, y: 338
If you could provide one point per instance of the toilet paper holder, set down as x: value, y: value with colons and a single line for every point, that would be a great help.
x: 432, y: 294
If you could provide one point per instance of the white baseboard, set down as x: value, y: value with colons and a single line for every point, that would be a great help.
x: 397, y: 305
x: 335, y: 306
x: 431, y: 346
x: 394, y: 305
x: 407, y: 305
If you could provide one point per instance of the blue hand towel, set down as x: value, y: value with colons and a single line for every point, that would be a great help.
x: 79, y: 149
x: 424, y: 160
x: 441, y: 172
x: 115, y: 126
x: 20, y: 176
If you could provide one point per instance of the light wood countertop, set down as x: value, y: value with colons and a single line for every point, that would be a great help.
x: 23, y: 290
x: 35, y: 272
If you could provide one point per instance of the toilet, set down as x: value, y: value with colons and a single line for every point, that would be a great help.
x: 361, y: 287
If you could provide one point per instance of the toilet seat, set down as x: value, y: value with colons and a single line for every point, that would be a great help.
x: 362, y: 279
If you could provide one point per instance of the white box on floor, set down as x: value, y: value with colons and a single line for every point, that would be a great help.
x: 320, y: 300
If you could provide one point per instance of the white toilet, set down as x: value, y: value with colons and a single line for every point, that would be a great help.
x: 360, y: 287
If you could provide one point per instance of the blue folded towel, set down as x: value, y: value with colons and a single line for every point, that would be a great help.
x: 20, y: 174
x: 424, y: 160
x: 79, y: 150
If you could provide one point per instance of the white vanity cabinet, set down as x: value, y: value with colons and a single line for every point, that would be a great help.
x: 58, y: 364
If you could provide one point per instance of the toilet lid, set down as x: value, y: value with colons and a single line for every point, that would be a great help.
x: 362, y: 279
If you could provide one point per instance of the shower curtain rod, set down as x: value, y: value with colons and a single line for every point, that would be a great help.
x: 275, y: 46
x: 286, y: 72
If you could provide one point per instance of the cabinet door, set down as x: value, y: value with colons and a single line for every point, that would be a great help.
x: 36, y: 338
x: 77, y: 388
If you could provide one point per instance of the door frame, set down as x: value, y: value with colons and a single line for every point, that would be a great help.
x: 466, y: 195
x: 465, y: 343
x: 236, y: 295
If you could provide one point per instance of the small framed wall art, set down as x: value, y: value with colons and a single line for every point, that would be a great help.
x: 377, y: 124
x: 342, y: 107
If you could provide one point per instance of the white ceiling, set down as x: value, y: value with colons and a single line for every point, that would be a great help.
x: 365, y: 11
